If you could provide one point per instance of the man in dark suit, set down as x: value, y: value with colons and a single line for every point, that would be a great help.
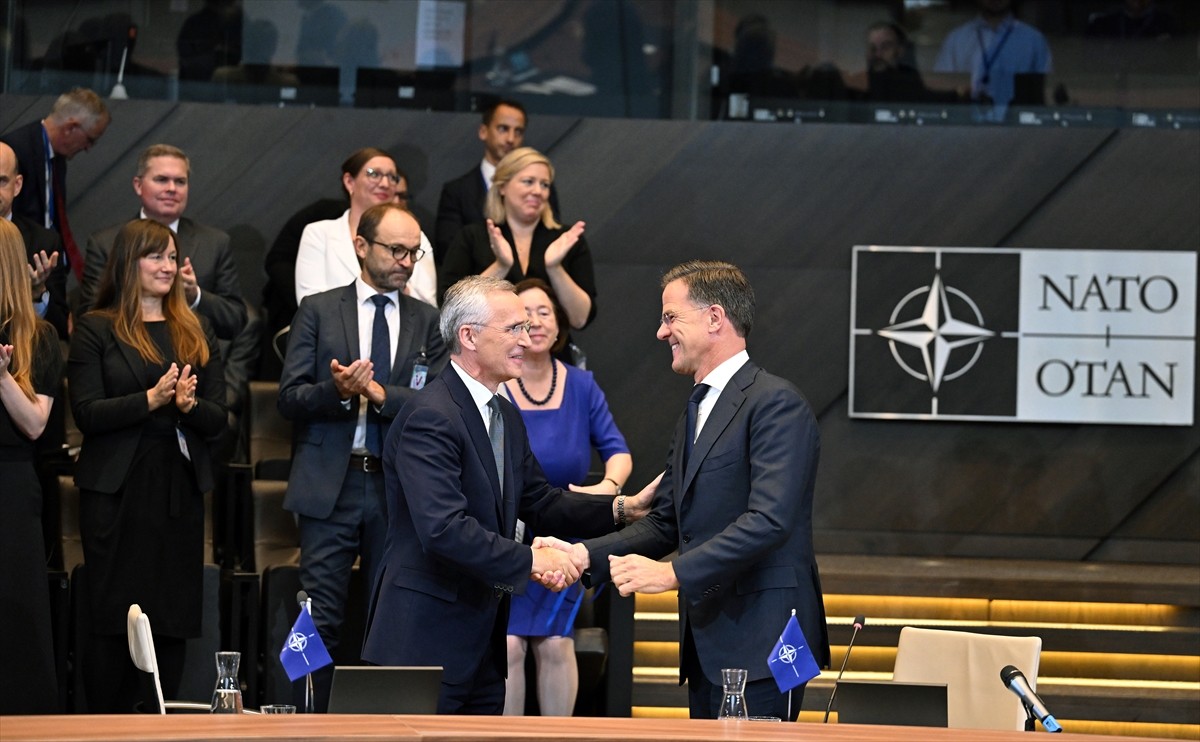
x: 206, y: 264
x: 459, y: 472
x: 42, y: 246
x: 735, y: 500
x: 355, y: 355
x: 462, y: 199
x: 76, y: 122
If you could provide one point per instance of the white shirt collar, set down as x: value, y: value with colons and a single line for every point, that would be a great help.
x: 480, y: 394
x: 719, y: 377
x: 489, y: 172
x: 365, y: 292
x: 174, y: 226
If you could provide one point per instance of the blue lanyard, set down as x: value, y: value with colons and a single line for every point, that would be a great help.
x: 988, y: 61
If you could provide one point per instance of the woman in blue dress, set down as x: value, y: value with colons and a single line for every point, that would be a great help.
x: 566, y: 416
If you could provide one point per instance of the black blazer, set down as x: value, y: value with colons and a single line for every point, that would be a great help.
x: 451, y: 560
x: 216, y: 273
x: 38, y: 238
x: 462, y: 203
x: 30, y: 149
x: 108, y: 399
x: 740, y: 515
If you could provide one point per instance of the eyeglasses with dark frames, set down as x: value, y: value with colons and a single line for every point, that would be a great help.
x: 400, y: 252
x: 375, y: 176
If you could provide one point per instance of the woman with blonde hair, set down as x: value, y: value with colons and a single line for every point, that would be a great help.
x: 147, y: 390
x: 30, y: 367
x: 521, y: 239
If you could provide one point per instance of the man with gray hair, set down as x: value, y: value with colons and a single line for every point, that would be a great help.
x: 76, y: 122
x: 458, y: 473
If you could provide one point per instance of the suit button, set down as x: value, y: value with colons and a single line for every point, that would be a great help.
x: 687, y: 538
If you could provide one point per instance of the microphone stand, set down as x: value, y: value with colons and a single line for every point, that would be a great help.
x: 309, y: 694
x: 1030, y: 718
x: 858, y: 624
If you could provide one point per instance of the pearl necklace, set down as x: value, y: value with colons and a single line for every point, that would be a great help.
x: 553, y: 384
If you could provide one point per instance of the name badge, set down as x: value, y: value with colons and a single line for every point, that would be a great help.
x: 420, y: 372
x: 183, y: 448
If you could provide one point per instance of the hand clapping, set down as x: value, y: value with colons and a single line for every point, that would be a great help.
x: 164, y: 391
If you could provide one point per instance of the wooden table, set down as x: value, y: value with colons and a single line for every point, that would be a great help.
x: 304, y: 728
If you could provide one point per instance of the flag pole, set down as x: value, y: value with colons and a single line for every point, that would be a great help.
x: 309, y: 694
x: 789, y: 703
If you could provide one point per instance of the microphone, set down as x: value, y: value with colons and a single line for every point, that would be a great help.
x: 1015, y: 681
x: 859, y: 622
x: 302, y: 598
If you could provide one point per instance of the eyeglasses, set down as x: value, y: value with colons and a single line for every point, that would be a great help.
x: 668, y: 318
x: 400, y: 252
x: 514, y: 330
x: 375, y: 176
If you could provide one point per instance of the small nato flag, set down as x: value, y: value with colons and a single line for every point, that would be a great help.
x: 303, y: 652
x: 791, y: 660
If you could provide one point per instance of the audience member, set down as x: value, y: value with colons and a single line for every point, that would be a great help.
x: 459, y: 472
x: 30, y: 373
x: 1134, y: 19
x: 43, y: 248
x: 207, y: 270
x: 891, y: 75
x: 521, y: 239
x: 996, y: 49
x: 326, y: 258
x: 463, y: 199
x: 744, y: 460
x: 147, y: 391
x: 76, y: 122
x: 566, y: 416
x: 279, y: 294
x: 355, y: 354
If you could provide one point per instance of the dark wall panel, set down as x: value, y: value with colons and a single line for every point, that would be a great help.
x: 787, y: 203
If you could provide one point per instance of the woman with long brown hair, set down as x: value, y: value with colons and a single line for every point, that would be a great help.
x: 147, y: 390
x: 30, y: 367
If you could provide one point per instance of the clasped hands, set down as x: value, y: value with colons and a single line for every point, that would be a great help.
x: 557, y: 564
x: 176, y: 385
x: 357, y: 378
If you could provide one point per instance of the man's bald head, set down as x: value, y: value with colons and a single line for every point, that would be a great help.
x: 10, y: 179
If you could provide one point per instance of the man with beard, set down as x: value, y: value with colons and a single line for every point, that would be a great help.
x: 355, y: 355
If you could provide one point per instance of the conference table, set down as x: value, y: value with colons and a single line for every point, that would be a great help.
x: 305, y: 728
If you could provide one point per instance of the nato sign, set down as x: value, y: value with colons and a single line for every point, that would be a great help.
x: 1016, y: 335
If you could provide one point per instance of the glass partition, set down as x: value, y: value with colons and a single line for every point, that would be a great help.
x: 925, y: 62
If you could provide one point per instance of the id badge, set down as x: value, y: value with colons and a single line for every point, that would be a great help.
x: 420, y: 371
x: 183, y: 448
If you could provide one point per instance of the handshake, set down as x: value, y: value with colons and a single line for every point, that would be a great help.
x: 557, y: 564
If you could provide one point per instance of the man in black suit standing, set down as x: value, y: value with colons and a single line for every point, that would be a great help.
x: 47, y: 272
x: 735, y: 500
x: 459, y: 473
x: 355, y: 355
x: 461, y: 203
x: 76, y: 122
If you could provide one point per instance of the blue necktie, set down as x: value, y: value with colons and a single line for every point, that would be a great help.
x: 693, y: 411
x: 381, y: 359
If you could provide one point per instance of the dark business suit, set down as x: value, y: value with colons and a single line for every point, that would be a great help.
x: 216, y: 273
x: 740, y: 515
x: 30, y: 148
x: 461, y: 203
x: 342, y: 512
x: 451, y: 563
x: 37, y: 239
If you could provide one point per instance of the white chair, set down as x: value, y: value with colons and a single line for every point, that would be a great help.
x: 969, y: 664
x: 141, y: 650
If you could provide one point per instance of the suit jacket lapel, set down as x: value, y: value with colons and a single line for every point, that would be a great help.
x: 404, y: 341
x: 733, y: 396
x: 349, y: 312
x: 476, y: 430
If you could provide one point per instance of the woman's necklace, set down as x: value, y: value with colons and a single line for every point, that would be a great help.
x: 553, y: 384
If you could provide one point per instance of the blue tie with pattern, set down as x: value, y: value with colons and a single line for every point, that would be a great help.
x: 381, y: 360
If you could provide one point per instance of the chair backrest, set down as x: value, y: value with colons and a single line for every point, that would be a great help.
x: 969, y: 664
x: 276, y: 536
x: 270, y: 432
x: 141, y: 649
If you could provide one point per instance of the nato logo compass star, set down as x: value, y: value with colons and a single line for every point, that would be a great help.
x: 936, y: 333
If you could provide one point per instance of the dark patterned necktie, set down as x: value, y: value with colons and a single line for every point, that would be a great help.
x: 381, y: 360
x: 693, y: 411
x: 496, y: 436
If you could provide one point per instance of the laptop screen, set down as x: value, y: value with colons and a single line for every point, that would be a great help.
x: 898, y: 704
x: 385, y: 690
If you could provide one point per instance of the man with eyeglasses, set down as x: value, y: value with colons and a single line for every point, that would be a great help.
x: 355, y: 355
x: 459, y: 473
x: 76, y: 122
